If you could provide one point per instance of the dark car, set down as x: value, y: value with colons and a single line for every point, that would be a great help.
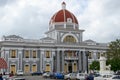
x: 117, y: 77
x: 52, y: 75
x: 90, y: 77
x: 36, y: 73
x: 59, y: 76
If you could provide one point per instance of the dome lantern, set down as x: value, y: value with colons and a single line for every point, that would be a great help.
x: 63, y: 5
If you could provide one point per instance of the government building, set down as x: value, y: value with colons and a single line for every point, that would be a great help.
x: 62, y: 50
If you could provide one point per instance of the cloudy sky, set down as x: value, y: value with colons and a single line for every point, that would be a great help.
x: 30, y: 18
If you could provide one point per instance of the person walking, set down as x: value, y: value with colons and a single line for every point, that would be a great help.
x: 1, y: 76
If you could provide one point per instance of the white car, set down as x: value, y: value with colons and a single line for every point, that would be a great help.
x: 81, y: 76
x: 16, y: 78
x: 70, y: 76
x: 104, y: 77
x: 46, y: 75
x: 20, y: 73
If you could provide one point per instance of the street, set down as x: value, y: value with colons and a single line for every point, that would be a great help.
x: 36, y: 78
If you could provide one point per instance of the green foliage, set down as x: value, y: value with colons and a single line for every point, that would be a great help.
x: 113, y: 55
x: 114, y: 49
x: 115, y: 64
x: 95, y: 65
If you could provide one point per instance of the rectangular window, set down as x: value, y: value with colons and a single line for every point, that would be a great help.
x: 27, y: 54
x: 70, y: 53
x: 13, y: 54
x: 90, y: 56
x: 47, y: 54
x: 34, y: 54
x: 98, y: 55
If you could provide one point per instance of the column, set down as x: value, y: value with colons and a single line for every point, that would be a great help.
x: 20, y: 60
x: 84, y: 61
x: 53, y: 62
x: 63, y: 61
x: 95, y: 56
x: 79, y: 60
x: 42, y: 62
x: 58, y: 61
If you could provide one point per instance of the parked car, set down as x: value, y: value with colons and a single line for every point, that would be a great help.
x: 46, y: 74
x: 5, y: 77
x: 70, y: 76
x: 116, y: 77
x: 91, y: 77
x: 36, y: 73
x: 59, y: 76
x: 67, y: 76
x: 20, y: 73
x: 16, y: 79
x: 81, y: 76
x: 52, y: 75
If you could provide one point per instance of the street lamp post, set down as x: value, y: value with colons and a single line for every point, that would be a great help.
x: 87, y: 54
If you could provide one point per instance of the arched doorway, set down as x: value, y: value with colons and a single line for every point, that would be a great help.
x: 47, y: 69
x: 26, y: 68
x: 34, y: 68
x: 70, y: 66
x: 13, y: 68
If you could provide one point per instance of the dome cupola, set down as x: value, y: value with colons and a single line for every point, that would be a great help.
x: 63, y: 16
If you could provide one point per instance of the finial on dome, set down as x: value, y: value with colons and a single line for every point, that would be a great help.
x: 63, y: 5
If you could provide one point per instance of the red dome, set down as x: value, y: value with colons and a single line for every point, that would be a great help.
x: 62, y: 16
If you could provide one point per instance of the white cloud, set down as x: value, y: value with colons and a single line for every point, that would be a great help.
x: 101, y: 20
x: 30, y: 18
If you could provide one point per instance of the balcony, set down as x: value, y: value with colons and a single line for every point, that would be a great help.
x: 13, y: 59
x: 31, y: 59
x: 48, y: 59
x: 71, y: 58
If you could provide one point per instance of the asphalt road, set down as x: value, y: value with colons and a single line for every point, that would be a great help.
x: 36, y: 78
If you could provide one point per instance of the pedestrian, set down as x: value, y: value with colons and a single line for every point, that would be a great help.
x: 11, y: 74
x: 1, y: 76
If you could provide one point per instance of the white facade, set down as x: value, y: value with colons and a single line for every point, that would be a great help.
x: 63, y: 50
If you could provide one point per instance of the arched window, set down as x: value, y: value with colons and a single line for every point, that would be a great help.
x: 69, y: 39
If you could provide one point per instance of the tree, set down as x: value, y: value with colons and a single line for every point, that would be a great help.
x: 115, y: 64
x: 113, y: 55
x: 95, y: 65
x: 114, y: 49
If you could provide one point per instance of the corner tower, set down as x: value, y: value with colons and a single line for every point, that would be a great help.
x: 64, y: 27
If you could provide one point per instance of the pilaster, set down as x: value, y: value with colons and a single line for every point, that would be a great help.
x: 58, y: 61
x: 63, y: 61
x: 79, y: 60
